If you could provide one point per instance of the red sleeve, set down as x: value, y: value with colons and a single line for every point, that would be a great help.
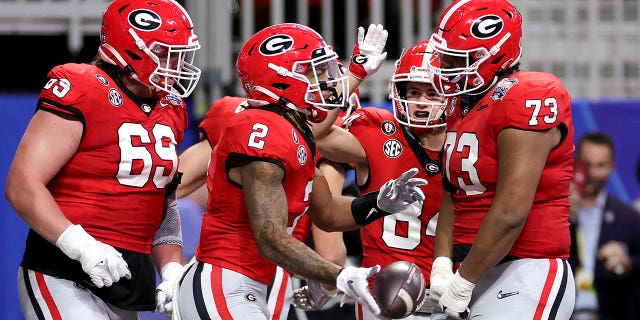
x: 538, y: 103
x: 66, y: 91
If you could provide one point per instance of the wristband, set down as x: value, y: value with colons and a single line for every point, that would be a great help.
x: 365, y: 209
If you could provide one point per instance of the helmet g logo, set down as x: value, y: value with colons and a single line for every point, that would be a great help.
x: 276, y: 45
x: 487, y: 27
x: 145, y: 20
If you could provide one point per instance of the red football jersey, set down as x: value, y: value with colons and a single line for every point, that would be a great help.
x: 221, y: 113
x: 399, y: 236
x: 527, y: 101
x: 114, y: 184
x: 226, y: 239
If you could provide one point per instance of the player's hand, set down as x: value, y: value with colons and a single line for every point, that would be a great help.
x: 399, y: 194
x: 312, y: 296
x: 368, y: 55
x: 353, y: 282
x: 441, y: 275
x: 100, y: 261
x: 170, y: 273
x: 455, y: 300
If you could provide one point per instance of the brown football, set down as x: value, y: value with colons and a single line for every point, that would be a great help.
x: 399, y: 289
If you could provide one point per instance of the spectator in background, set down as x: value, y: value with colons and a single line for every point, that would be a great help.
x: 605, y: 234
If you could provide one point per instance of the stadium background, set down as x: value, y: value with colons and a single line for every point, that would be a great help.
x: 592, y: 45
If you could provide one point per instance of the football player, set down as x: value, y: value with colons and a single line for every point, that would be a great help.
x: 507, y: 168
x: 262, y: 178
x: 382, y: 145
x: 102, y: 202
x: 193, y: 165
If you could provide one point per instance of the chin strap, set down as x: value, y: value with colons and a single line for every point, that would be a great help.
x: 280, y: 101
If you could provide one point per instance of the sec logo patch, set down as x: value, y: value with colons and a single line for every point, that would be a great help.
x: 392, y: 148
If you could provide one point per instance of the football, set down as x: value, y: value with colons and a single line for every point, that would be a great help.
x: 399, y: 289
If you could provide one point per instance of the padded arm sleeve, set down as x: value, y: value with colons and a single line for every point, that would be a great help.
x: 170, y: 231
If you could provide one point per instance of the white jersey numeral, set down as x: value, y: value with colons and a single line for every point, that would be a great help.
x: 467, y: 143
x: 136, y: 162
x: 413, y: 237
x: 259, y: 132
x: 60, y: 87
x: 537, y: 104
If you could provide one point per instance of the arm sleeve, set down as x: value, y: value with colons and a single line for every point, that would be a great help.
x: 170, y: 230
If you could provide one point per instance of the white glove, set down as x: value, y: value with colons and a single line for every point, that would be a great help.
x: 353, y: 282
x: 397, y: 195
x: 368, y: 55
x: 100, y: 261
x: 312, y: 296
x: 441, y: 275
x: 455, y: 300
x: 170, y: 273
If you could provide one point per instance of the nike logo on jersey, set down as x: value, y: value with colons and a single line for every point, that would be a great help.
x: 351, y: 288
x: 506, y: 294
x: 372, y: 211
x: 482, y: 107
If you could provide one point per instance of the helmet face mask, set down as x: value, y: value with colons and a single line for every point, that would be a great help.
x: 153, y: 41
x: 290, y: 65
x: 326, y: 82
x: 474, y: 43
x: 410, y: 82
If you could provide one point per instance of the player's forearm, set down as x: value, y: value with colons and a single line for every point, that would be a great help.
x: 335, y: 216
x: 354, y: 83
x: 34, y: 203
x: 293, y: 255
x: 165, y: 253
x: 193, y: 164
x: 329, y: 245
x: 444, y: 229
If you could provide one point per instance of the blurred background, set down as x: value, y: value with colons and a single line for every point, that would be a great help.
x: 592, y: 45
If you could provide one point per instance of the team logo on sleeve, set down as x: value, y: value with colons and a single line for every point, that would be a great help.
x: 392, y: 148
x: 115, y: 98
x: 388, y: 127
x: 502, y: 87
x: 302, y: 155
